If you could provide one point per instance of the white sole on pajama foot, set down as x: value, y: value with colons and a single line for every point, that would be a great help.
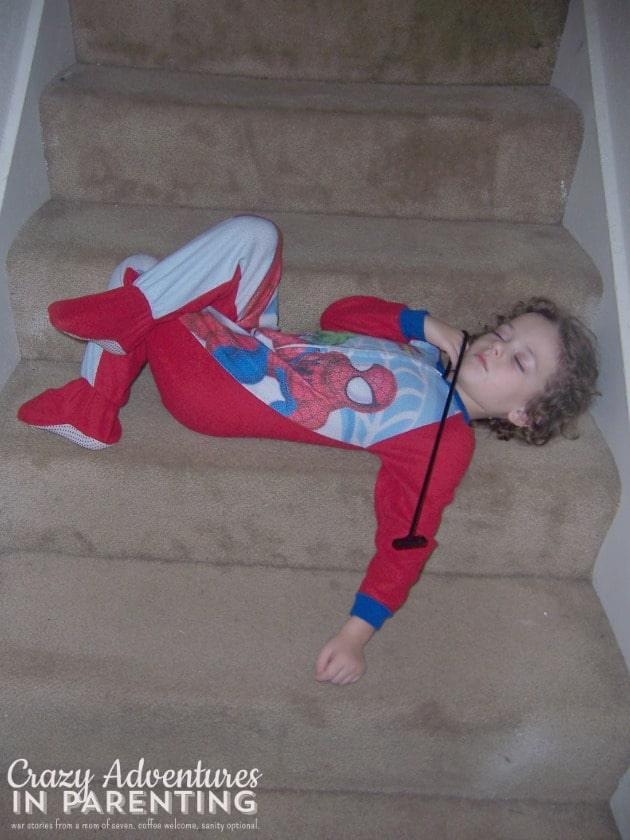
x: 72, y: 434
x: 107, y: 344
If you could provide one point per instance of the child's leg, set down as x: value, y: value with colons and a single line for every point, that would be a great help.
x: 85, y: 410
x: 113, y: 376
x: 234, y: 268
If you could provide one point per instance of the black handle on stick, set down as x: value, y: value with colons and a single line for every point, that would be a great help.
x: 413, y: 540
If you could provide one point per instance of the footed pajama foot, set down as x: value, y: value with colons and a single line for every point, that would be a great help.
x: 76, y: 412
x: 117, y: 320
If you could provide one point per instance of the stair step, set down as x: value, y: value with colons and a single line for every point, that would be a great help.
x: 154, y: 137
x: 462, y: 271
x: 363, y: 40
x: 311, y: 815
x: 168, y: 493
x: 137, y: 659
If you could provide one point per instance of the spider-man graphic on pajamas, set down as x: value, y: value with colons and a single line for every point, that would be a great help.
x: 312, y: 383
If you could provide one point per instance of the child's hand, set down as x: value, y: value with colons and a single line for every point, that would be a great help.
x: 341, y: 660
x: 444, y: 336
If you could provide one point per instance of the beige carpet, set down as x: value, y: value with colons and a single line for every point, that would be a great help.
x: 167, y: 598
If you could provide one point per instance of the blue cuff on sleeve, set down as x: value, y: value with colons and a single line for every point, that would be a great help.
x: 370, y: 610
x: 412, y: 323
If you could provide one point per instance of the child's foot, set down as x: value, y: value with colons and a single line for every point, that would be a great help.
x: 117, y: 319
x: 76, y: 412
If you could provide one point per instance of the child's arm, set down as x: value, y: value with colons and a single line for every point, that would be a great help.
x: 365, y: 315
x: 444, y: 336
x: 395, y: 321
x: 391, y: 573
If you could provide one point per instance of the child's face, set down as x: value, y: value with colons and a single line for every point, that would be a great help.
x: 503, y: 370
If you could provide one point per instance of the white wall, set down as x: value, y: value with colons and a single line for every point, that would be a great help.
x: 598, y: 216
x: 594, y: 69
x: 13, y: 22
x: 27, y: 65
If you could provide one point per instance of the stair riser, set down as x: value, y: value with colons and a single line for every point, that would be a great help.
x: 427, y: 42
x: 460, y: 271
x: 311, y: 815
x: 180, y: 488
x: 137, y: 660
x: 470, y: 164
x: 39, y: 340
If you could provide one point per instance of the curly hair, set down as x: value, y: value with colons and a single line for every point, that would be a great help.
x: 569, y: 391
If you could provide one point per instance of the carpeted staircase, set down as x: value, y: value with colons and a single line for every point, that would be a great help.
x: 166, y: 598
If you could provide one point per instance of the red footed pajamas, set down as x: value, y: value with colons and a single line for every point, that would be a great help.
x: 206, y: 320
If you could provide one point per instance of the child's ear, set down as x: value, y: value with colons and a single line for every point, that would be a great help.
x: 518, y: 417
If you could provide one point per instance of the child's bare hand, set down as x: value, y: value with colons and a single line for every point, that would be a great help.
x: 443, y: 335
x: 341, y: 660
x: 339, y: 664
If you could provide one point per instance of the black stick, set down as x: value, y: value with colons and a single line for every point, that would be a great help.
x: 413, y: 540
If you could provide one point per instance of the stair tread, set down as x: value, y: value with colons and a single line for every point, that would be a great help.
x: 70, y: 248
x: 173, y: 493
x: 460, y: 714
